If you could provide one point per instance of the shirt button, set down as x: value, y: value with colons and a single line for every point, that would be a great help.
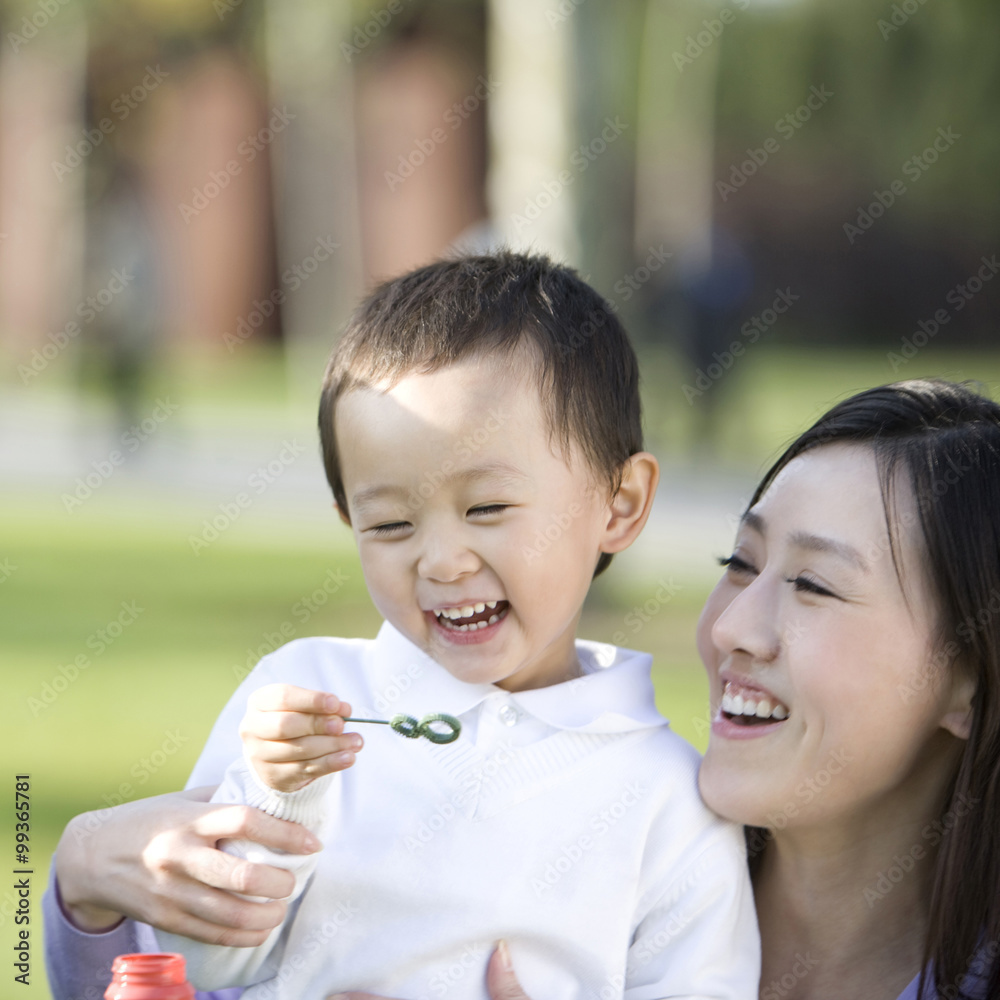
x: 508, y: 715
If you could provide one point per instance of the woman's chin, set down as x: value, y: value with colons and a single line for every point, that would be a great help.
x: 731, y: 795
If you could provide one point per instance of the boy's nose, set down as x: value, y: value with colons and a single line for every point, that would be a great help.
x: 445, y: 558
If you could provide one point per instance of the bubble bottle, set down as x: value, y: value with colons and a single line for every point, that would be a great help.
x: 149, y: 977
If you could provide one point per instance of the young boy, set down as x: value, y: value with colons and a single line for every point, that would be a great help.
x: 481, y: 432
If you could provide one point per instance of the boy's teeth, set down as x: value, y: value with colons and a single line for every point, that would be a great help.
x: 480, y: 608
x: 467, y: 611
x: 493, y: 618
x: 760, y: 707
x: 491, y: 604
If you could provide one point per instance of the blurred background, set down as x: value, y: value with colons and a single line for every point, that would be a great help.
x: 787, y: 202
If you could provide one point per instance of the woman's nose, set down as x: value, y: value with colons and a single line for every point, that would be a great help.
x: 749, y: 622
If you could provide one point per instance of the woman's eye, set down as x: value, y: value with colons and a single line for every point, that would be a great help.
x: 804, y: 585
x: 737, y: 565
x: 490, y: 508
x: 388, y: 529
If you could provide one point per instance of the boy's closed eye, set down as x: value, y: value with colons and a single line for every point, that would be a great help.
x: 481, y: 511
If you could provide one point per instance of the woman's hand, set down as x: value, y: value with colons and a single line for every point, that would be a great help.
x: 500, y: 980
x: 156, y: 860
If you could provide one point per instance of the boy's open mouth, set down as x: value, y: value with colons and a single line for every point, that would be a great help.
x: 470, y: 617
x: 751, y: 708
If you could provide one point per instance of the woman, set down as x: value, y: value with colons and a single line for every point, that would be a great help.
x: 853, y: 651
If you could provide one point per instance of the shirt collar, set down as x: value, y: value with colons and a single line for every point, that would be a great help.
x: 614, y: 694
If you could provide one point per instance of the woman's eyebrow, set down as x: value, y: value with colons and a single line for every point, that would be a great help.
x: 817, y: 543
x: 814, y: 543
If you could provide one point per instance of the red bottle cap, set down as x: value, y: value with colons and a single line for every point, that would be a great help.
x: 149, y: 977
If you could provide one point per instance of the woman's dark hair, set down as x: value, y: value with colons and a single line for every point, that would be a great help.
x: 491, y: 305
x: 943, y: 439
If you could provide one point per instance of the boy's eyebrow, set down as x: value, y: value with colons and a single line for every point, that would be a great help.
x: 814, y: 543
x: 504, y: 472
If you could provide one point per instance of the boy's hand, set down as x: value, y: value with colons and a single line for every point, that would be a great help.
x: 292, y: 735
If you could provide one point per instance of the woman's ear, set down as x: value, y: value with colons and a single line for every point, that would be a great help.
x: 957, y: 718
x: 630, y: 507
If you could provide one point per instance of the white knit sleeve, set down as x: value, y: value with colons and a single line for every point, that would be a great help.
x: 213, y: 967
x: 700, y: 940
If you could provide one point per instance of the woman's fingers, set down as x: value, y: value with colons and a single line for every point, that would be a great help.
x: 247, y: 823
x: 500, y: 979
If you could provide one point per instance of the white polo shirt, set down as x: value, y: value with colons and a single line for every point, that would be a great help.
x: 565, y: 820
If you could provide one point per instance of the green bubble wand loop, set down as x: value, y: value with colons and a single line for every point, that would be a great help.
x: 407, y: 726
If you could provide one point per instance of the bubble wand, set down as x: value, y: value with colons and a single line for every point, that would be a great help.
x: 407, y: 726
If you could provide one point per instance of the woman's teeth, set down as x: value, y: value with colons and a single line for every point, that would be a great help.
x: 756, y: 706
x: 470, y: 617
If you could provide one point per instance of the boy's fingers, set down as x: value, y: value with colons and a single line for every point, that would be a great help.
x: 289, y: 725
x: 292, y: 777
x: 304, y: 749
x: 289, y: 698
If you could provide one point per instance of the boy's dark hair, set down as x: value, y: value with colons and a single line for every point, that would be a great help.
x: 493, y: 304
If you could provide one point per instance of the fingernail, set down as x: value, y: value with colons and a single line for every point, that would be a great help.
x: 504, y: 952
x: 311, y: 844
x: 356, y: 741
x: 345, y: 757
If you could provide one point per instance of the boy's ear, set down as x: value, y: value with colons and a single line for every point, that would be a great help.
x: 341, y: 514
x: 630, y: 508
